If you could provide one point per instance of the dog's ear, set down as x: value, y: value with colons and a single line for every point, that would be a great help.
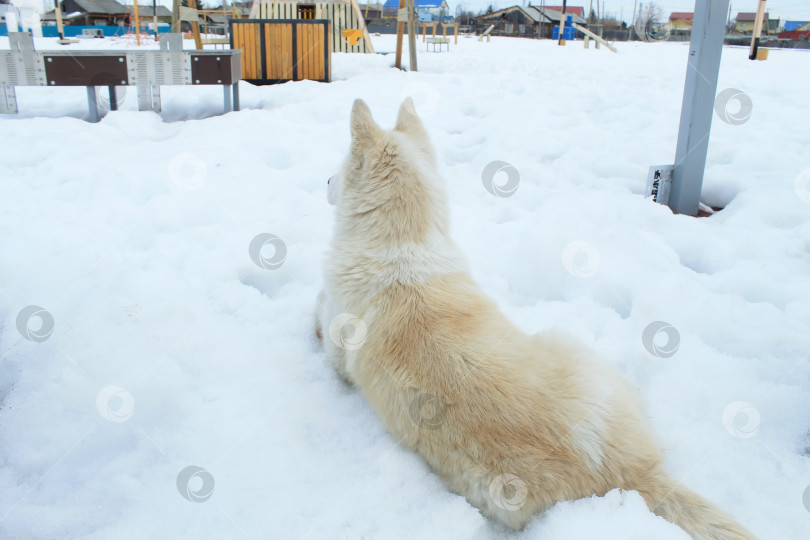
x: 364, y: 128
x: 408, y: 121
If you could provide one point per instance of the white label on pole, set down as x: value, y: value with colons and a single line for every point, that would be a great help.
x: 659, y: 182
x: 402, y: 15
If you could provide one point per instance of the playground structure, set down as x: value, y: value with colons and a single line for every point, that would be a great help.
x: 445, y: 26
x: 147, y: 70
x: 348, y: 27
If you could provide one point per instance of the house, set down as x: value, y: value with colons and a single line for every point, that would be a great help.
x: 92, y: 13
x: 746, y: 21
x: 790, y: 26
x: 801, y: 33
x: 550, y: 17
x: 681, y: 20
x: 528, y: 21
x: 426, y: 10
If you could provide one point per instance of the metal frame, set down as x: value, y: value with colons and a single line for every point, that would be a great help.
x: 146, y: 70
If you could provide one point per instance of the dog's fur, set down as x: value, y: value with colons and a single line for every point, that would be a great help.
x: 538, y: 413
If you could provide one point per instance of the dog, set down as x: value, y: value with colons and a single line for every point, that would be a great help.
x: 513, y: 422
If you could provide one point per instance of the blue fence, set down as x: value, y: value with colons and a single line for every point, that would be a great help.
x: 109, y: 31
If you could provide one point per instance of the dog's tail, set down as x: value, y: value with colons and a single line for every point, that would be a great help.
x: 691, y: 512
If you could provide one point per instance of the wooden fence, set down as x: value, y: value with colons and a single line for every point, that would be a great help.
x: 281, y: 50
x: 345, y: 17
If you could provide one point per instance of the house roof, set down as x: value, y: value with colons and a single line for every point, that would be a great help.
x: 419, y: 3
x: 793, y: 25
x: 146, y: 11
x: 554, y: 15
x: 749, y: 17
x: 51, y: 16
x: 218, y: 18
x: 536, y: 14
x: 530, y: 13
x: 682, y: 16
x: 108, y: 7
x: 578, y: 10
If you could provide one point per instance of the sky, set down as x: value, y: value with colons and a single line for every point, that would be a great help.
x: 784, y: 9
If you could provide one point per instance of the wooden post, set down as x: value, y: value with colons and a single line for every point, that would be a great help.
x: 59, y: 25
x: 154, y: 18
x: 137, y: 24
x: 195, y: 31
x: 412, y: 35
x: 757, y: 31
x: 176, y: 16
x: 562, y: 24
x: 400, y: 32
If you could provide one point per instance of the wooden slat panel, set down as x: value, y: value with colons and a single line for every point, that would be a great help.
x: 317, y: 51
x: 308, y: 52
x: 299, y: 37
x: 288, y: 55
x: 279, y: 50
x: 245, y: 38
x: 252, y: 45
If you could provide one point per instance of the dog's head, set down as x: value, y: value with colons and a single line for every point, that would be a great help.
x: 390, y: 178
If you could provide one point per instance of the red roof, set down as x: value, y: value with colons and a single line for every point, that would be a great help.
x: 743, y: 17
x: 569, y: 9
x: 682, y: 16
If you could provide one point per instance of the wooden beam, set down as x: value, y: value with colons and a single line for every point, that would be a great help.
x: 594, y: 36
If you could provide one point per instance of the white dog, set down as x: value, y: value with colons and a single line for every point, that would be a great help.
x: 514, y: 423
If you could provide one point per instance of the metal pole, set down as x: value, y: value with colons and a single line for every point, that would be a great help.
x: 92, y: 104
x: 633, y: 21
x: 705, y: 51
x: 226, y: 92
x: 113, y: 98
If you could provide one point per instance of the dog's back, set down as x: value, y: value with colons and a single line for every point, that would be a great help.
x: 513, y: 422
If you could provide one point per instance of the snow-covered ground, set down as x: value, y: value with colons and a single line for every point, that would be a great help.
x: 170, y: 348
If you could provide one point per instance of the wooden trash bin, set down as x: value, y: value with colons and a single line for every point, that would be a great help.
x: 280, y: 50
